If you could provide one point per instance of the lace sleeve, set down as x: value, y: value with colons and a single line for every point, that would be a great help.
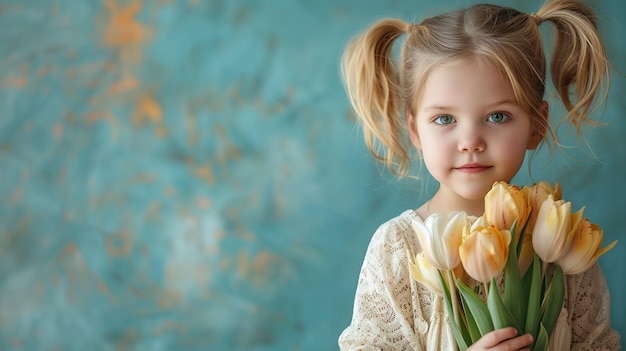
x: 589, y: 308
x: 383, y: 311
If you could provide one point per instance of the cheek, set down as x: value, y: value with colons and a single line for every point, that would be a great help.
x: 437, y: 153
x: 512, y: 149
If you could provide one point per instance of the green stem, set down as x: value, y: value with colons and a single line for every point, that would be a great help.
x: 453, y: 295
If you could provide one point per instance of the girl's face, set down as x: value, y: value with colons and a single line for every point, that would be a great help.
x: 470, y: 130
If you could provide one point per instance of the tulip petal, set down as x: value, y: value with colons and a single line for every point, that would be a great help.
x: 484, y: 252
x: 440, y: 237
x: 553, y: 234
x: 585, y: 249
x: 423, y: 272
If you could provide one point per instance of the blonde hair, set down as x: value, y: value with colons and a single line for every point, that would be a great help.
x: 382, y: 90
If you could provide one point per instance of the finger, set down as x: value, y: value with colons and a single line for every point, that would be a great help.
x: 518, y: 342
x: 497, y: 336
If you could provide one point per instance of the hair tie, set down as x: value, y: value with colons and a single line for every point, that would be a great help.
x: 410, y: 27
x: 535, y: 18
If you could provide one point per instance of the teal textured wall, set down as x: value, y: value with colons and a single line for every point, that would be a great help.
x: 185, y: 175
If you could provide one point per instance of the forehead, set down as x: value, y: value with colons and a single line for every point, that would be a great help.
x: 465, y: 82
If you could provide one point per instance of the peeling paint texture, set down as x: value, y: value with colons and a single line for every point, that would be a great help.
x: 187, y: 175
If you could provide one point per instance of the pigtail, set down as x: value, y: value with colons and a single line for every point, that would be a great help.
x: 371, y: 81
x: 579, y: 65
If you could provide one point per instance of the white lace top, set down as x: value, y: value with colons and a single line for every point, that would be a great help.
x: 394, y: 312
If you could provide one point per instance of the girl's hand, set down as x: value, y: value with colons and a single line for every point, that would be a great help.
x: 503, y: 339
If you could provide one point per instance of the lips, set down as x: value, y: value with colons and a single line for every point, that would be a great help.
x: 472, y: 168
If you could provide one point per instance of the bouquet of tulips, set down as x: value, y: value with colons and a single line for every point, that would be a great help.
x: 518, y: 253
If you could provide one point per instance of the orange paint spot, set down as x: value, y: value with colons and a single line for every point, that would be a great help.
x: 104, y: 115
x: 16, y: 82
x: 219, y: 234
x: 259, y: 269
x: 154, y: 211
x: 18, y: 79
x: 84, y: 69
x: 102, y: 287
x: 262, y: 260
x: 160, y: 132
x: 94, y: 116
x: 120, y: 244
x: 248, y: 236
x: 224, y: 263
x: 68, y: 116
x: 169, y: 298
x: 68, y: 216
x: 243, y: 263
x: 70, y: 249
x: 122, y: 28
x: 169, y: 191
x: 231, y: 151
x: 203, y: 203
x: 145, y: 178
x: 206, y: 173
x: 58, y: 131
x: 147, y: 108
x: 17, y: 195
x: 145, y: 251
x: 124, y: 85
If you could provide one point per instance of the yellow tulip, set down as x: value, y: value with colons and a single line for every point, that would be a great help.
x: 484, y: 251
x: 440, y: 237
x: 526, y: 254
x: 422, y: 271
x: 555, y: 228
x: 585, y: 249
x: 505, y: 203
x: 525, y: 258
x: 479, y: 222
x: 537, y: 194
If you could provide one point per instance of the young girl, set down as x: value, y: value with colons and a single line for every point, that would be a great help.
x: 468, y: 94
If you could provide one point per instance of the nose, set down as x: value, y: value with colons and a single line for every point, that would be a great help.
x: 471, y: 140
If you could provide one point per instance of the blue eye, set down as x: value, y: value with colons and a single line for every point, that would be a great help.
x: 498, y: 117
x: 444, y: 119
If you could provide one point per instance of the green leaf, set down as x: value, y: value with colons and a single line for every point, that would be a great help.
x: 527, y: 279
x: 542, y: 341
x: 460, y: 337
x: 514, y: 296
x: 477, y: 307
x: 553, y: 300
x: 472, y: 328
x: 500, y: 313
x: 520, y: 240
x: 533, y: 315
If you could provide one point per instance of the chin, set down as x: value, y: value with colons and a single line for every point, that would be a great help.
x: 474, y: 194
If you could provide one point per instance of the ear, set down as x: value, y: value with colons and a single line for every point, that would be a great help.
x: 411, y: 125
x: 536, y: 136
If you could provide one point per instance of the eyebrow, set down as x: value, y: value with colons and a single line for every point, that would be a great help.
x: 497, y: 103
